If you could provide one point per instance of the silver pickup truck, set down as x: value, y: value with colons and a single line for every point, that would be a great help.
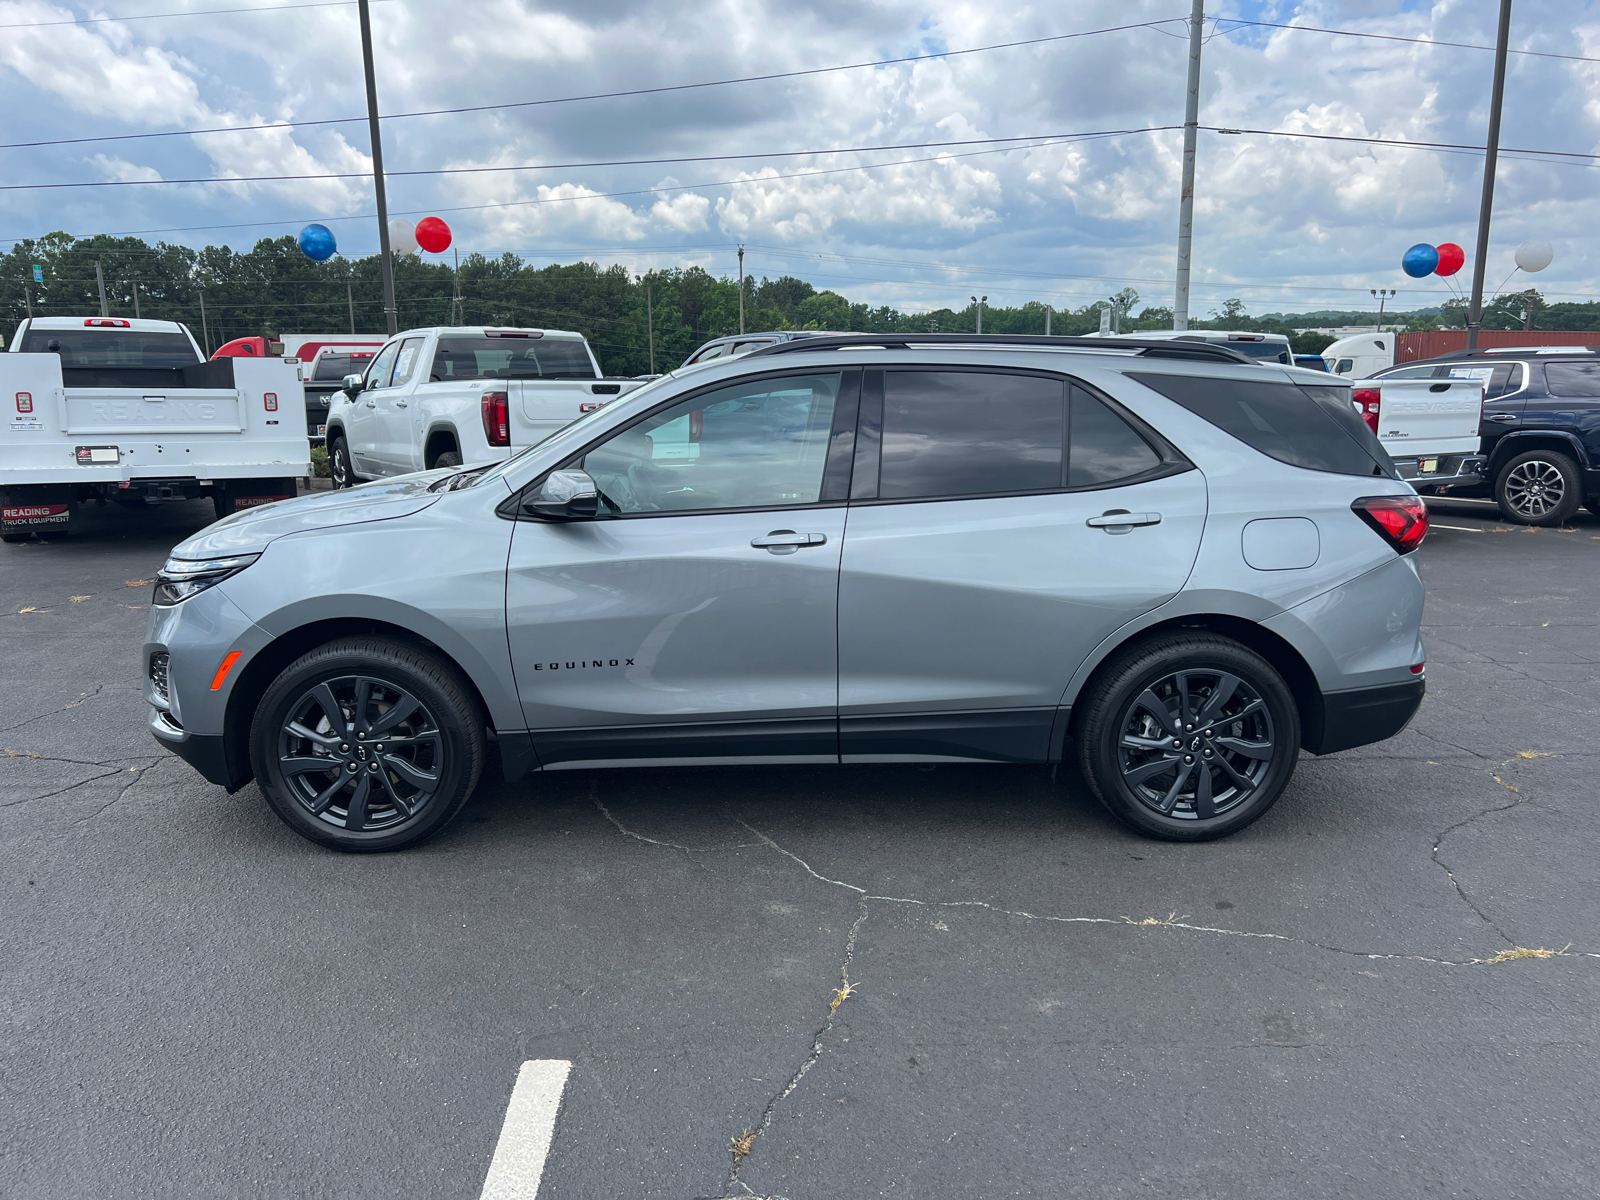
x: 455, y: 395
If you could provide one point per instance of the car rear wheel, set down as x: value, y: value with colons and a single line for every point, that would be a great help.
x: 367, y: 745
x: 339, y: 469
x: 1539, y: 487
x: 450, y: 458
x: 1188, y: 737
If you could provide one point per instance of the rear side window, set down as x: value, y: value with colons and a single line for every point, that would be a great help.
x: 1312, y: 427
x: 1573, y: 378
x: 1104, y: 447
x: 111, y: 347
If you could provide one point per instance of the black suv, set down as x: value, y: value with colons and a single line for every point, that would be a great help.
x: 1541, y: 426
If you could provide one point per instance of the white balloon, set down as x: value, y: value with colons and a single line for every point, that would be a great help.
x: 1534, y: 255
x: 402, y: 236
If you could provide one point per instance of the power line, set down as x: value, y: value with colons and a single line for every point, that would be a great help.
x: 210, y: 12
x: 1389, y: 37
x: 651, y: 91
x: 574, y: 166
x: 1400, y: 142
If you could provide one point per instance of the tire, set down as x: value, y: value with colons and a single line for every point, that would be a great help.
x: 1538, y: 487
x: 367, y: 800
x: 222, y: 503
x: 1171, y: 802
x: 340, y: 470
x: 450, y: 458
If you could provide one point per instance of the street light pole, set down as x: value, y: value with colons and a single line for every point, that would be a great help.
x: 741, y: 290
x: 1383, y: 294
x: 1480, y: 261
x: 979, y: 301
x: 389, y: 309
x: 1191, y: 136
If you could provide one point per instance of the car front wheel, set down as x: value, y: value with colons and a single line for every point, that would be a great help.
x: 1539, y: 487
x: 339, y: 469
x: 367, y: 745
x: 1188, y: 737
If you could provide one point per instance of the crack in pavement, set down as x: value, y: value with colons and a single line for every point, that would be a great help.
x: 153, y: 760
x: 84, y: 696
x: 138, y: 778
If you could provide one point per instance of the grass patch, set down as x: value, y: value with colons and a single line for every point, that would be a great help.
x: 1170, y: 919
x: 741, y: 1145
x: 843, y: 992
x: 1517, y: 952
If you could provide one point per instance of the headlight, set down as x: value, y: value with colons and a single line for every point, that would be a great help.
x: 184, y: 577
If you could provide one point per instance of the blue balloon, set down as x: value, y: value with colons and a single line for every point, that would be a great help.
x: 316, y: 243
x: 1417, y: 262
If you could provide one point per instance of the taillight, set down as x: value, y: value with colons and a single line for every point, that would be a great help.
x: 1402, y: 521
x: 496, y: 419
x: 1369, y: 403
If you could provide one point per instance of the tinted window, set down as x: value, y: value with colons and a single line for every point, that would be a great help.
x: 1312, y: 427
x: 1573, y: 378
x: 337, y: 366
x: 1104, y: 447
x: 1425, y: 371
x: 483, y: 357
x: 1274, y: 351
x: 965, y: 433
x: 761, y: 444
x: 111, y: 347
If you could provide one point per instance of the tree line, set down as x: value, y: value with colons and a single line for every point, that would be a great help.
x: 636, y: 323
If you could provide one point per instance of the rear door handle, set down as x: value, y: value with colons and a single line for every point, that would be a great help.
x: 399, y: 403
x: 1121, y: 520
x: 1502, y: 416
x: 787, y: 541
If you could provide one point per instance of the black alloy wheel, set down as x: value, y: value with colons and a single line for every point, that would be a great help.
x: 339, y: 468
x: 367, y: 745
x: 1189, y: 737
x: 1539, y: 487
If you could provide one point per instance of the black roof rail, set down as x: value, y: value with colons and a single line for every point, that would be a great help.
x: 1193, y: 350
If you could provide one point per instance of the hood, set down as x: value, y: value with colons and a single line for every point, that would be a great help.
x: 250, y: 531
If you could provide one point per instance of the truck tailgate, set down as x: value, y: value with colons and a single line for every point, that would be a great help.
x: 95, y: 411
x: 1428, y: 416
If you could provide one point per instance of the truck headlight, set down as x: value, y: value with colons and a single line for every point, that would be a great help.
x: 184, y: 577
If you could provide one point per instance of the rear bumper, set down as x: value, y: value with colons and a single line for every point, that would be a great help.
x: 1362, y: 716
x: 1447, y: 470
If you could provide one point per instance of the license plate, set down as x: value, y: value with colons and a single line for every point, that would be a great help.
x: 1430, y: 465
x: 94, y: 456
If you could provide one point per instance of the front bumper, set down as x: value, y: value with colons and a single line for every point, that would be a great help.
x: 1428, y: 473
x: 206, y: 753
x: 1362, y: 716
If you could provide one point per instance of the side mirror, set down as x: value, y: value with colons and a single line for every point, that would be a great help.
x: 352, y: 385
x: 565, y: 496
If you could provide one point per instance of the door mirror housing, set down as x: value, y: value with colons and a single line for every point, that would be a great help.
x: 353, y: 385
x: 564, y: 496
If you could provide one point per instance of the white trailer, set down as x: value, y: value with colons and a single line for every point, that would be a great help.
x: 1361, y: 355
x: 129, y: 411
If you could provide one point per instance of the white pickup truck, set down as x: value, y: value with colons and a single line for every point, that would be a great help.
x: 107, y: 408
x: 1430, y: 427
x: 455, y: 395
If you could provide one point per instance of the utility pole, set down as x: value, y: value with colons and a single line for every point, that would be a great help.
x: 100, y: 278
x: 741, y: 290
x: 1047, y: 320
x: 650, y: 324
x: 27, y: 297
x: 1480, y: 261
x: 350, y: 295
x: 979, y: 302
x: 460, y: 309
x: 389, y: 309
x: 205, y: 331
x: 1191, y: 135
x: 136, y: 298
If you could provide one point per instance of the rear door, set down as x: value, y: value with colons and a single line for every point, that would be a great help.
x: 1505, y: 396
x: 1574, y: 402
x: 984, y: 560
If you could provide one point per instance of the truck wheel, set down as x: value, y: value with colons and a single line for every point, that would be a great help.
x: 450, y: 458
x: 1538, y: 487
x: 339, y: 468
x: 1188, y: 737
x: 366, y: 744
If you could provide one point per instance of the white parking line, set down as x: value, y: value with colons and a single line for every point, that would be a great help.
x: 1462, y: 528
x: 518, y: 1162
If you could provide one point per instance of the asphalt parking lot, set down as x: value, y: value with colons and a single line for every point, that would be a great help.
x: 899, y: 981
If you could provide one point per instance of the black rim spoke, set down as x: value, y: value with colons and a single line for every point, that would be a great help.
x: 361, y: 754
x: 1196, y: 743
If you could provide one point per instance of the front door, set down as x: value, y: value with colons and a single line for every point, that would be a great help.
x: 696, y: 617
x: 395, y: 451
x: 363, y: 427
x: 984, y: 558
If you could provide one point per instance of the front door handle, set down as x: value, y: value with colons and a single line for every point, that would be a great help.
x: 1502, y: 416
x: 787, y: 541
x: 372, y: 404
x: 1120, y: 520
x: 399, y: 403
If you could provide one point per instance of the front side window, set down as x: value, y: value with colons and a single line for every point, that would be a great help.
x: 405, y: 365
x: 487, y: 356
x: 1344, y: 366
x: 382, y: 366
x: 757, y: 444
x: 1576, y: 379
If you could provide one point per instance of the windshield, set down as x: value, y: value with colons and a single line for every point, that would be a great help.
x: 337, y: 366
x: 111, y: 347
x: 486, y: 357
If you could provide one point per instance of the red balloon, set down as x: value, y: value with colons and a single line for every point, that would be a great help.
x: 1451, y: 256
x: 433, y: 235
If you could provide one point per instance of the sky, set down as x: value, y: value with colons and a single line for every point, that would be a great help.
x: 1285, y: 223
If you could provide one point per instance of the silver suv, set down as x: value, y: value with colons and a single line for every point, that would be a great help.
x: 1173, y: 565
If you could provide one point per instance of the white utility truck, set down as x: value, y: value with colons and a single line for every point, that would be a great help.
x: 110, y: 408
x: 1361, y: 355
x: 1430, y: 427
x: 455, y: 395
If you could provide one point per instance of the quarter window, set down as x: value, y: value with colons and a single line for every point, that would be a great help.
x: 1105, y: 448
x: 758, y: 444
x: 1577, y: 379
